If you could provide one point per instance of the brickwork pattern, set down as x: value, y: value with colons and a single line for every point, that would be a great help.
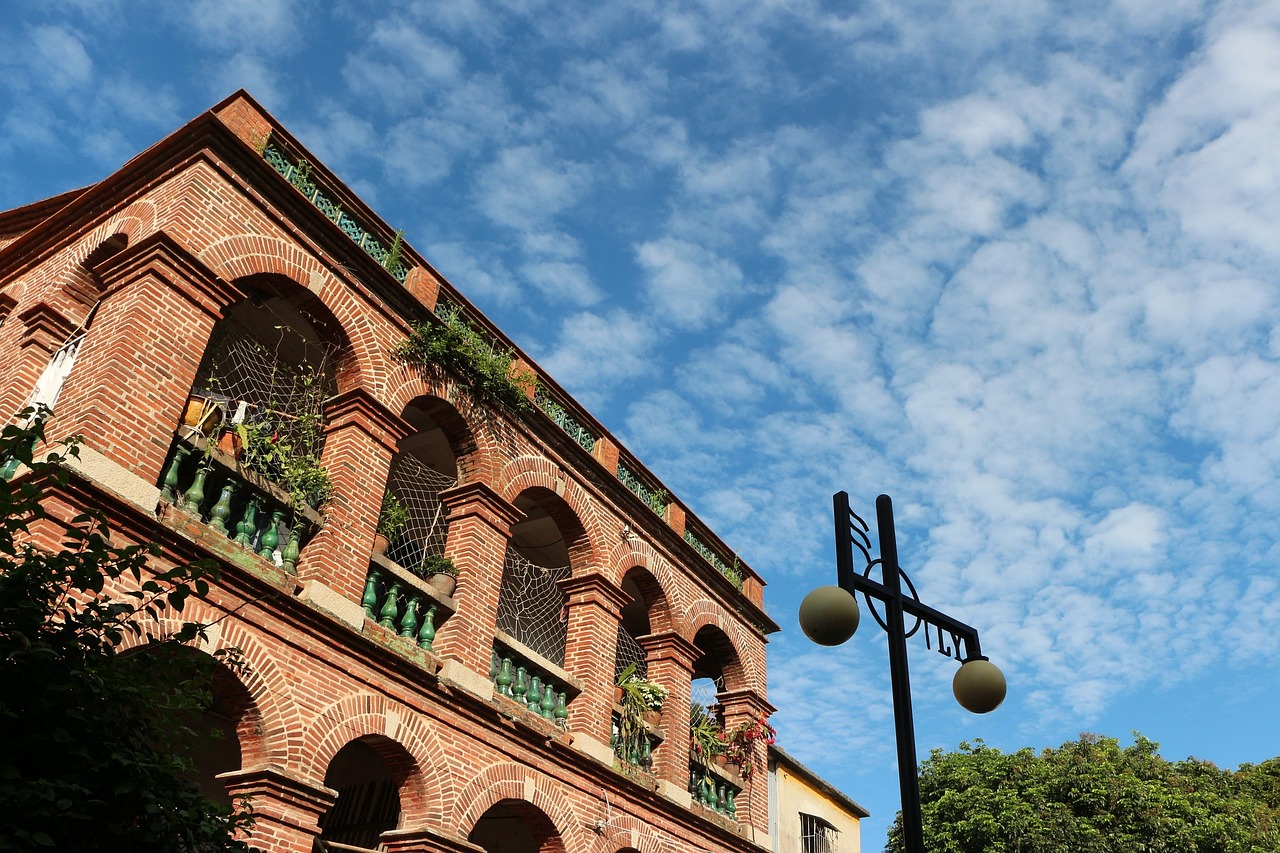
x: 182, y: 247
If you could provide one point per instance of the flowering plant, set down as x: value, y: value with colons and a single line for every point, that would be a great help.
x: 738, y: 741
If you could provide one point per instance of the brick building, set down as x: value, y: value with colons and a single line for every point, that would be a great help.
x: 223, y: 282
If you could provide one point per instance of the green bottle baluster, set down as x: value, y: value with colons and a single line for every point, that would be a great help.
x: 409, y: 622
x: 731, y: 808
x: 521, y: 686
x: 391, y: 607
x: 221, y: 510
x: 548, y: 701
x: 169, y: 489
x: 534, y: 698
x: 194, y: 496
x: 721, y: 806
x: 271, y: 536
x: 370, y: 598
x: 561, y: 712
x: 248, y: 523
x: 427, y: 634
x: 493, y: 666
x: 504, y: 677
x: 292, y: 548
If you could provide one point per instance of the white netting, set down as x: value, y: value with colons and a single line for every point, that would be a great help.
x: 532, y: 607
x: 703, y: 691
x: 260, y: 388
x: 629, y: 652
x: 418, y: 487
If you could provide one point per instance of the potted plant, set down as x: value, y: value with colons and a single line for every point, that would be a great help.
x: 639, y: 697
x: 739, y: 739
x: 705, y: 736
x: 440, y: 573
x: 392, y: 518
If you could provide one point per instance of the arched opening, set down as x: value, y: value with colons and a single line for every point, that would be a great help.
x: 368, y: 802
x: 531, y: 603
x: 716, y: 670
x: 216, y: 745
x: 247, y: 456
x: 644, y: 596
x: 425, y: 465
x: 515, y: 826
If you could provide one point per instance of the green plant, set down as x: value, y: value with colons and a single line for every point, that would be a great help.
x: 739, y: 739
x: 454, y: 344
x: 733, y: 573
x: 436, y: 565
x: 289, y: 463
x: 658, y: 501
x: 648, y: 695
x: 706, y: 737
x: 98, y: 743
x: 638, y: 696
x: 393, y: 262
x: 393, y: 515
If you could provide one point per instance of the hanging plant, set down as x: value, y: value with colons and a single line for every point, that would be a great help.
x: 739, y: 739
x: 706, y: 737
x: 456, y: 345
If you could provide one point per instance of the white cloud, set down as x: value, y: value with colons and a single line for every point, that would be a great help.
x: 59, y: 59
x: 529, y: 185
x: 594, y: 351
x: 687, y: 284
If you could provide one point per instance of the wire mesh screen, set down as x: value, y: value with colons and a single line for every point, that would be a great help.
x: 704, y: 690
x: 629, y: 652
x: 418, y: 487
x: 532, y: 607
x: 265, y: 391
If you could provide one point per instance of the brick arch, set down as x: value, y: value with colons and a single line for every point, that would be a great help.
x: 398, y: 735
x: 406, y: 383
x: 77, y: 287
x: 627, y: 833
x: 511, y: 781
x: 637, y: 553
x: 265, y: 730
x: 742, y: 671
x: 530, y: 473
x: 244, y: 256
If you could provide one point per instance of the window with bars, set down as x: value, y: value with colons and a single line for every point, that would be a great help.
x: 817, y: 836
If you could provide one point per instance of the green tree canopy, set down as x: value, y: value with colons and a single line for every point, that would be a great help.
x: 93, y: 741
x: 1093, y: 796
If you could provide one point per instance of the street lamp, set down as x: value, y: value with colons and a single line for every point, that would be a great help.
x: 829, y: 616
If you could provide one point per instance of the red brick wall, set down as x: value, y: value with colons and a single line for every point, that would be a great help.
x: 316, y: 683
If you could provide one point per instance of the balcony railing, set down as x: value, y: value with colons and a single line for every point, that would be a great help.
x: 244, y: 506
x: 714, y: 559
x: 657, y: 499
x: 529, y: 680
x: 636, y: 752
x: 561, y: 418
x: 404, y: 603
x: 712, y: 790
x: 299, y: 175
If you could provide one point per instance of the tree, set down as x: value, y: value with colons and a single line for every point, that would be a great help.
x: 1092, y: 796
x: 95, y: 737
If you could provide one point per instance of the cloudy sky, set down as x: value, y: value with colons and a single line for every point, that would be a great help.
x: 1012, y: 262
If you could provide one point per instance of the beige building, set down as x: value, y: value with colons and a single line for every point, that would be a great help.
x: 807, y: 814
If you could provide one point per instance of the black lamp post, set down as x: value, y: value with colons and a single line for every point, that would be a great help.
x: 829, y: 616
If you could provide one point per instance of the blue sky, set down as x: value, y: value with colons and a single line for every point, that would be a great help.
x: 1012, y: 262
